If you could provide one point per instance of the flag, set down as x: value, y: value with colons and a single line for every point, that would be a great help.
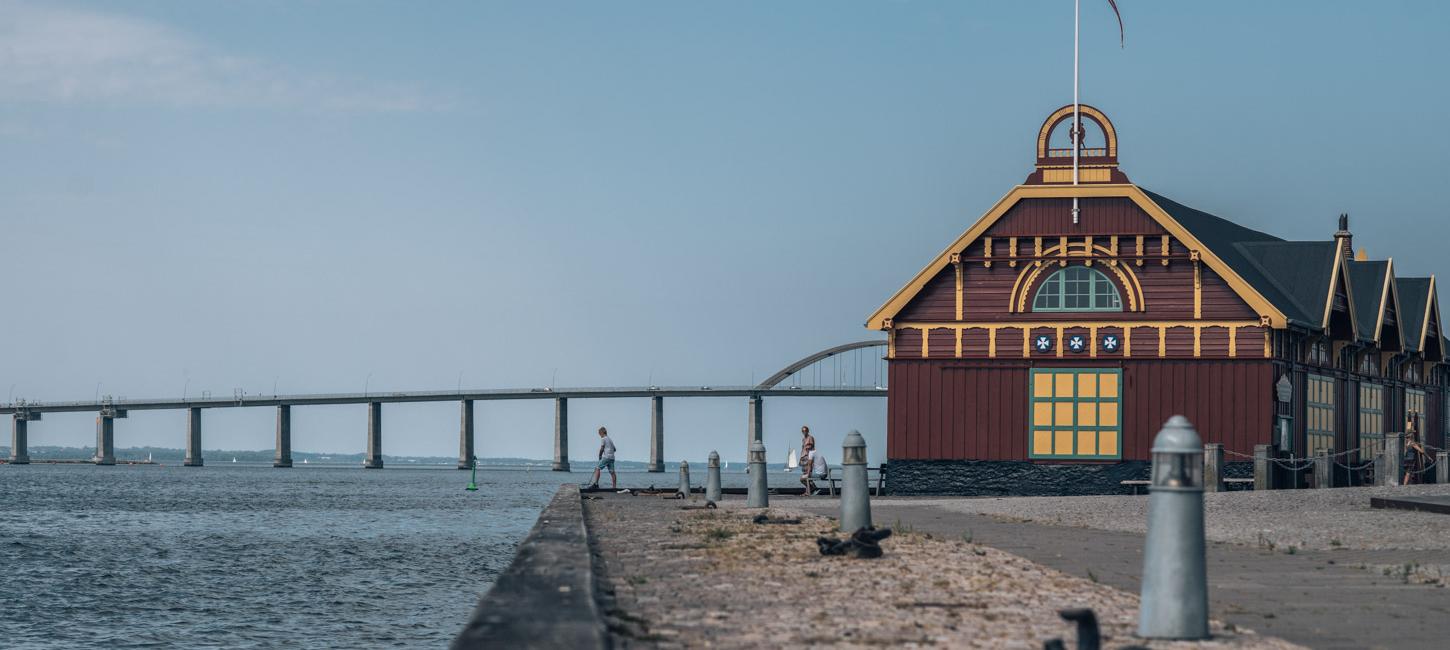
x: 1114, y: 5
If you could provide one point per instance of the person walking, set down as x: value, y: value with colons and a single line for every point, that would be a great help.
x: 606, y: 460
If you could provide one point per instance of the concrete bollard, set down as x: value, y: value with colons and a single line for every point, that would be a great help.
x: 756, y: 497
x: 1394, y: 452
x: 1174, y: 603
x: 1213, y: 467
x: 712, y: 478
x: 1324, y: 469
x: 855, y: 502
x: 1442, y: 467
x: 1263, y: 472
x: 685, y: 478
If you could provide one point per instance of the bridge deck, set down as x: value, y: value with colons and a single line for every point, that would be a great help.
x: 440, y: 396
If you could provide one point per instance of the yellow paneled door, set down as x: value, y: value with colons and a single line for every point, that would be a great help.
x: 1074, y: 413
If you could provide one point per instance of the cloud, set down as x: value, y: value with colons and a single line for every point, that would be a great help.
x: 65, y: 55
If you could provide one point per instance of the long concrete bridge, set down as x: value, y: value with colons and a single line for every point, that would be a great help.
x: 108, y: 410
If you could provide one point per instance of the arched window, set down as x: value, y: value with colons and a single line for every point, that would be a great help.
x: 1077, y: 288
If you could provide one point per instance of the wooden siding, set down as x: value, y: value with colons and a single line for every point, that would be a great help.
x: 958, y: 410
x: 987, y: 290
x: 1098, y: 216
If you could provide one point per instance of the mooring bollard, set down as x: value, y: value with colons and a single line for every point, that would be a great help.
x: 1263, y: 473
x: 756, y: 497
x: 1174, y: 603
x: 685, y: 477
x: 1442, y: 468
x: 1213, y: 467
x: 855, y: 503
x: 712, y: 478
x: 1323, y: 469
x: 1393, y: 458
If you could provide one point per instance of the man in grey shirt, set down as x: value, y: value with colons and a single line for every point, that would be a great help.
x: 606, y: 460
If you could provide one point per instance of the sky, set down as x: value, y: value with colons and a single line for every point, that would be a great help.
x: 297, y: 197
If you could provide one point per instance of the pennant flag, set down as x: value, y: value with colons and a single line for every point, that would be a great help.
x: 1114, y: 5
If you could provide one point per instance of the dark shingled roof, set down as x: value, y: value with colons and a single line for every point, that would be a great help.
x: 1367, y: 285
x: 1293, y: 276
x: 1414, y: 300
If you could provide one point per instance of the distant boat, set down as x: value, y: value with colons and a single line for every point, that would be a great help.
x: 304, y: 461
x: 791, y: 464
x: 148, y: 456
x: 726, y: 465
x: 234, y: 459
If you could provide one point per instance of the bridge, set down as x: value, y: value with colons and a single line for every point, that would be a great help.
x: 828, y: 373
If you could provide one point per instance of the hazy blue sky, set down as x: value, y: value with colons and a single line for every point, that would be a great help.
x: 322, y: 195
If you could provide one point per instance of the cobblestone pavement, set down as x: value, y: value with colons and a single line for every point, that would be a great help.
x: 674, y: 578
x: 1337, y: 598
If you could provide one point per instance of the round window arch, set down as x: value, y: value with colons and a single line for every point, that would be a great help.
x: 1077, y: 288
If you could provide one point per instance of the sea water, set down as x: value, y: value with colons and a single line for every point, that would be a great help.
x: 236, y: 555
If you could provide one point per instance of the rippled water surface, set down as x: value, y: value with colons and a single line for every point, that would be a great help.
x: 247, y: 556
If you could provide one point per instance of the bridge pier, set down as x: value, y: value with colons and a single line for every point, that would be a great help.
x: 755, y: 417
x: 105, y: 439
x: 284, y: 437
x: 193, y: 438
x: 561, y: 434
x: 20, y: 439
x: 374, y: 458
x: 465, y: 434
x: 656, y: 434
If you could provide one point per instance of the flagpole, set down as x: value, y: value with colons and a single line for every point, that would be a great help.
x: 1076, y: 138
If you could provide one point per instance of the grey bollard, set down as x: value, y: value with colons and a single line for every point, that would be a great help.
x: 1393, y: 463
x: 1263, y: 472
x: 712, y: 478
x: 1442, y: 467
x: 855, y: 503
x: 1213, y: 467
x: 1324, y: 469
x: 685, y: 478
x: 756, y: 497
x: 1174, y: 602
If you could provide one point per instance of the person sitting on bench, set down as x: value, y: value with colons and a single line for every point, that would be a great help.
x: 813, y: 468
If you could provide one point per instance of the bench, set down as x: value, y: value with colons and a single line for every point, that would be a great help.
x: 831, y: 479
x: 1137, y: 484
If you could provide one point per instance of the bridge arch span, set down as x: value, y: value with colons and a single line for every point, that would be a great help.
x: 775, y: 379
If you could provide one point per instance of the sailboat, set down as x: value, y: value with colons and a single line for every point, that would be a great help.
x: 791, y: 464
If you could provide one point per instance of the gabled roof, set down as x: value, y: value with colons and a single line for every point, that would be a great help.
x: 1267, y: 307
x: 1368, y: 278
x: 1294, y: 276
x: 1415, y: 304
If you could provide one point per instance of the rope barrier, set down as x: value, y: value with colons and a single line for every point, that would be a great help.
x: 1425, y: 469
x: 1290, y: 466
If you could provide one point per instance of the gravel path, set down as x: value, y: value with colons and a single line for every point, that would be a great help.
x: 1338, y: 518
x: 686, y: 578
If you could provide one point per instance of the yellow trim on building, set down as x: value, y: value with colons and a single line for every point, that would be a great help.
x: 899, y: 300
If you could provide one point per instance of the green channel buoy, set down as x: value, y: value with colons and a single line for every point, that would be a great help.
x: 473, y: 475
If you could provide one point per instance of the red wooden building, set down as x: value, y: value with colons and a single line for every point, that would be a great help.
x: 1042, y: 350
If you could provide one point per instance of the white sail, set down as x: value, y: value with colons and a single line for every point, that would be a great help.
x: 791, y: 464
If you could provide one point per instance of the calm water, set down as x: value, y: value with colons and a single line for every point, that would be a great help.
x: 251, y: 556
x: 238, y: 556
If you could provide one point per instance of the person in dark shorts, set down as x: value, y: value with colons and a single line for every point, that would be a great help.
x: 606, y: 460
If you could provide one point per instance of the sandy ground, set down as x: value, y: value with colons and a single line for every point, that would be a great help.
x: 711, y: 578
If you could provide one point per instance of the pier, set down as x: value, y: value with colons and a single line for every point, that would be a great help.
x: 800, y: 379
